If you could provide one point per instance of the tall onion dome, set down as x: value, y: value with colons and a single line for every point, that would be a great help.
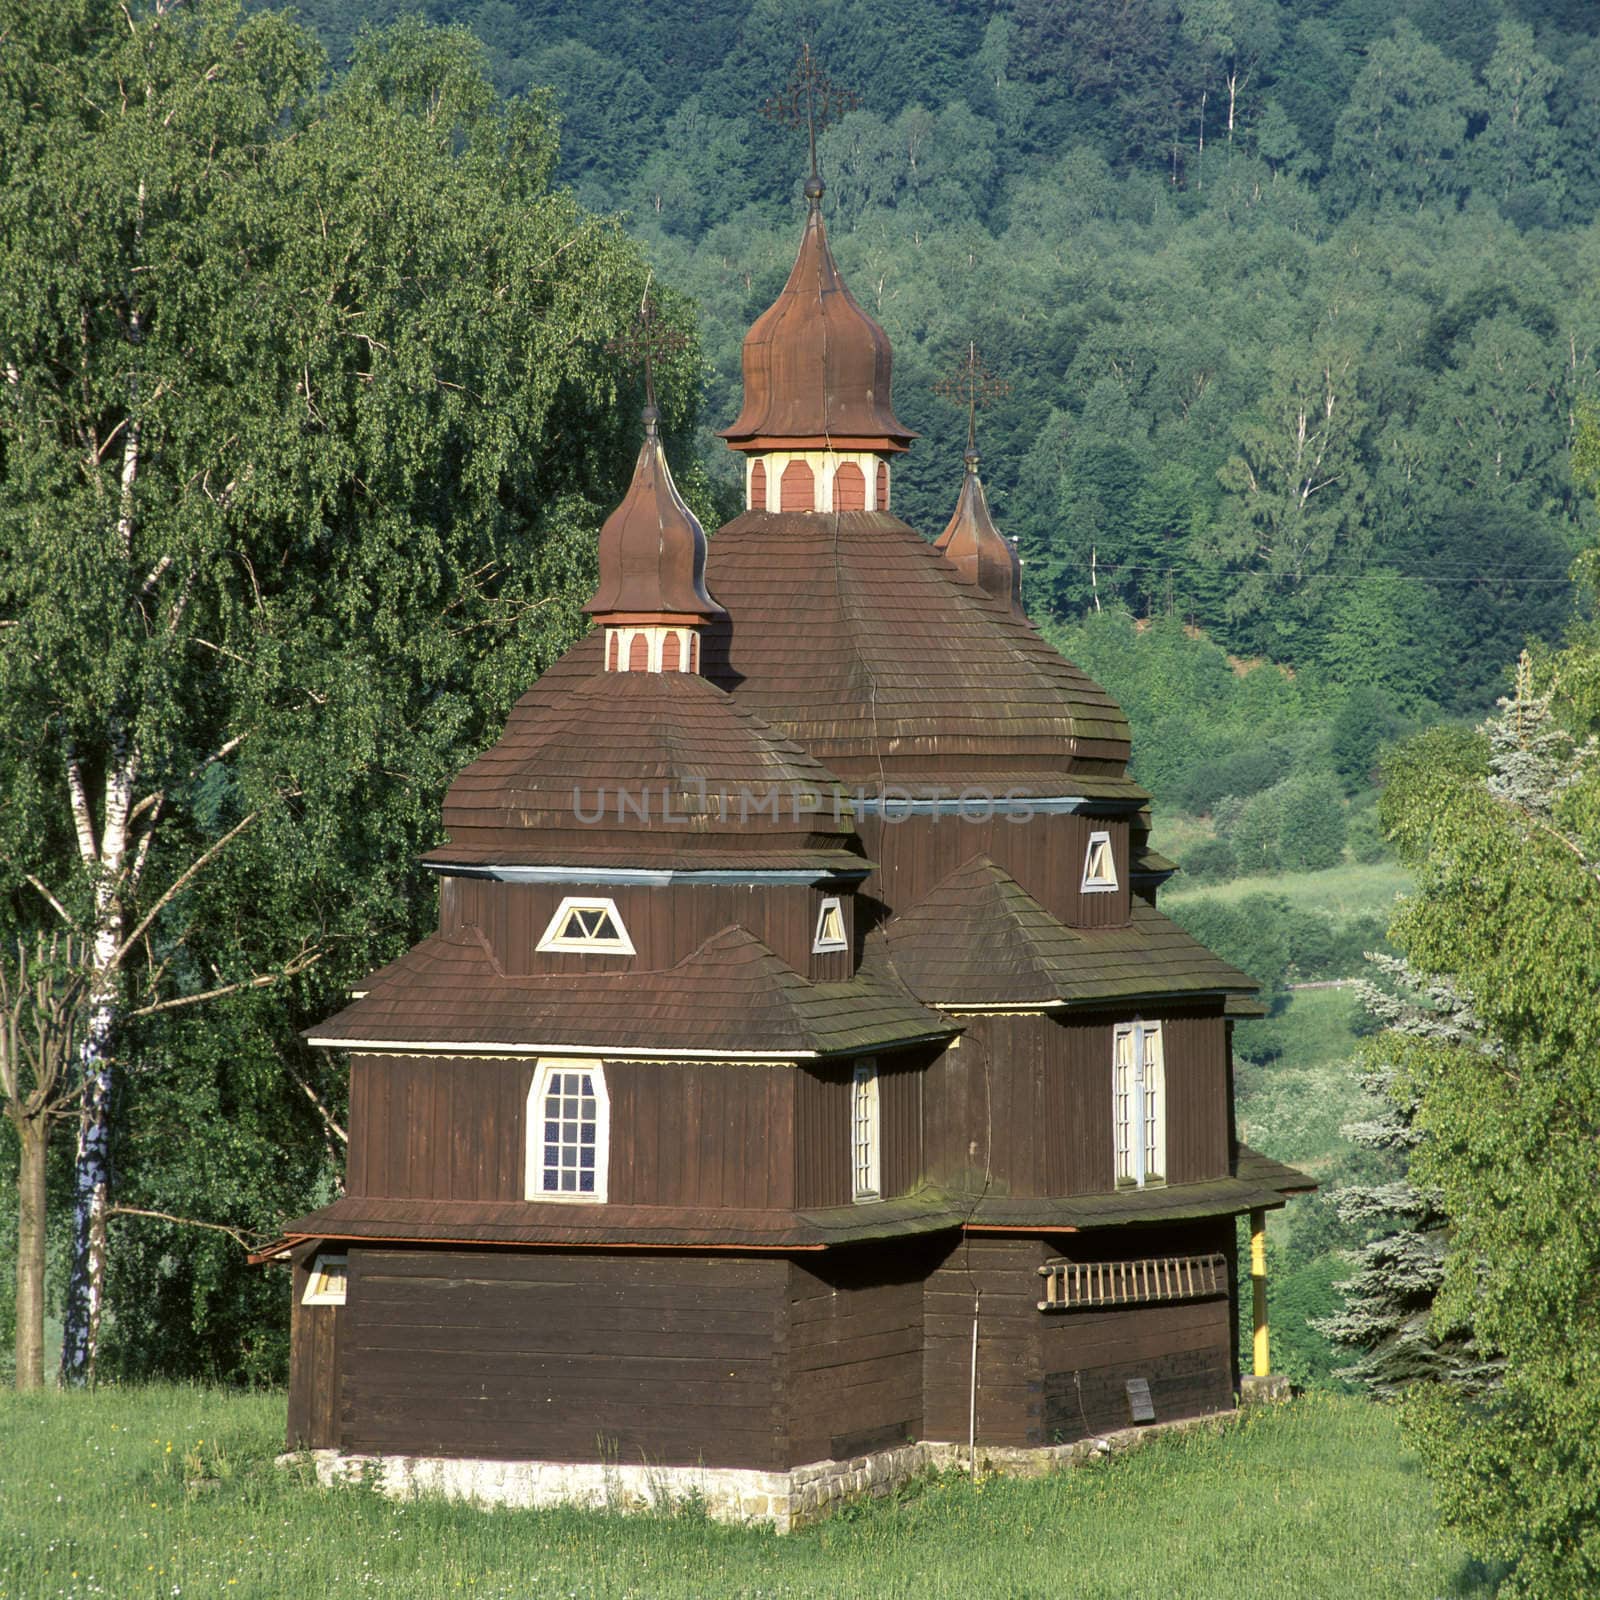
x: 818, y: 427
x: 652, y: 599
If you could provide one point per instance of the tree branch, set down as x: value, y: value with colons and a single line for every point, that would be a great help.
x: 240, y: 1238
x: 181, y: 882
x: 261, y: 980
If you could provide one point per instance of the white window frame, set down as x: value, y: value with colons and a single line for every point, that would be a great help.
x: 866, y: 1134
x: 1138, y: 1104
x: 622, y: 945
x: 820, y: 945
x: 1098, y: 883
x: 533, y: 1184
x: 328, y: 1282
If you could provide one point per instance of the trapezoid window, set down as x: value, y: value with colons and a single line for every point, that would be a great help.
x: 568, y: 1132
x: 1099, y: 865
x: 797, y: 488
x: 865, y: 1181
x: 830, y: 927
x: 325, y: 1286
x: 587, y: 925
x: 1139, y: 1104
x: 849, y: 488
x: 758, y: 486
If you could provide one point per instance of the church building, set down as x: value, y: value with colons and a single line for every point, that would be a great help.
x: 802, y: 1077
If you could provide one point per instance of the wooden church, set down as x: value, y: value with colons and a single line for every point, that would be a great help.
x: 802, y: 1076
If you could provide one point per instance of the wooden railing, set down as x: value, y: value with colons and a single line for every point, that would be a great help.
x: 1070, y: 1285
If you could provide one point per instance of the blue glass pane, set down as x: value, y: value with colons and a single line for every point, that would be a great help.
x: 586, y: 1183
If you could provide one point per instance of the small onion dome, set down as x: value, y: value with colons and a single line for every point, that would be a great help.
x: 816, y: 366
x: 652, y: 547
x: 977, y: 549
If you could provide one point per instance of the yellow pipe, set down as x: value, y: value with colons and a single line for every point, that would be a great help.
x: 1258, y: 1287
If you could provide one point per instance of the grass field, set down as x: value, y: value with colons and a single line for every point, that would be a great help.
x: 1354, y: 889
x: 156, y: 1494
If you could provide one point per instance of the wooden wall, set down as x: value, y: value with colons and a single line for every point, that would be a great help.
x: 1051, y: 1377
x: 698, y: 1134
x: 1045, y: 854
x: 1023, y: 1103
x: 1183, y: 1349
x: 664, y: 924
x: 672, y: 1359
x: 316, y: 1338
x: 855, y: 1351
x: 1003, y: 1272
x: 822, y: 1129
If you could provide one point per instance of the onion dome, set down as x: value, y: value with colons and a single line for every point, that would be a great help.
x: 816, y: 366
x: 653, y: 549
x: 979, y: 552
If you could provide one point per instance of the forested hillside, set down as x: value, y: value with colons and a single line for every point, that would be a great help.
x: 1295, y: 300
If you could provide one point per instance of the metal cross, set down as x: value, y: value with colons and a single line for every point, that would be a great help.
x: 974, y: 383
x: 648, y: 339
x: 811, y: 101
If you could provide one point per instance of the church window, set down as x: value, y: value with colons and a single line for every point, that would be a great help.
x: 830, y: 927
x: 758, y: 486
x: 1139, y: 1104
x: 672, y: 652
x: 849, y: 488
x: 798, y: 489
x: 1100, y: 864
x: 865, y: 1182
x: 568, y: 1132
x: 582, y: 925
x: 883, y: 486
x: 639, y: 653
x: 326, y: 1284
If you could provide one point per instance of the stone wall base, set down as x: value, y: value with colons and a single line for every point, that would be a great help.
x: 782, y: 1500
x: 1264, y: 1389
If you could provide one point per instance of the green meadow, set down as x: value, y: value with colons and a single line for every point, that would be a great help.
x: 165, y: 1493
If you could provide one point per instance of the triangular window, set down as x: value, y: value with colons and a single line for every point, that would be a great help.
x: 830, y: 928
x: 1099, y: 865
x: 325, y: 1285
x: 587, y: 925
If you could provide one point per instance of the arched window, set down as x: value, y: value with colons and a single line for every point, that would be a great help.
x: 849, y: 488
x: 569, y: 1133
x: 758, y: 486
x: 639, y: 654
x: 613, y: 649
x: 883, y: 486
x: 694, y: 652
x: 672, y: 652
x: 798, y: 491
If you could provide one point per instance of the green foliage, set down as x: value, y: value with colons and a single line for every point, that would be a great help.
x: 91, y: 1487
x: 1507, y: 912
x: 291, y: 516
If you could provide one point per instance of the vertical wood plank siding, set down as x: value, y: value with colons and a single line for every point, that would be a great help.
x: 315, y: 1338
x: 567, y: 1356
x: 1045, y: 855
x: 849, y: 488
x: 855, y: 1351
x: 665, y: 924
x: 758, y: 486
x: 822, y: 1128
x: 1023, y: 1105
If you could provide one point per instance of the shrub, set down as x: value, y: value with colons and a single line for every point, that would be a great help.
x: 1210, y: 861
x: 1311, y: 829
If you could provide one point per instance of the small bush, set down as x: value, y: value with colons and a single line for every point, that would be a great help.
x: 1210, y: 861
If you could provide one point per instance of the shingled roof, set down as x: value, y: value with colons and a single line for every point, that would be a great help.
x: 978, y: 938
x: 731, y: 996
x: 850, y: 634
x: 644, y: 768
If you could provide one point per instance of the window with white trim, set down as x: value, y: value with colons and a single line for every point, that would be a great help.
x: 568, y: 1132
x: 1099, y: 864
x: 1139, y: 1104
x: 830, y: 927
x: 865, y: 1181
x: 583, y: 925
x: 325, y: 1285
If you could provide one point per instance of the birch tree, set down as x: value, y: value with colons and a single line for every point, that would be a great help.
x: 281, y: 518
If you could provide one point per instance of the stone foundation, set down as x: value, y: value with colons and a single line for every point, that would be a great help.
x: 783, y: 1500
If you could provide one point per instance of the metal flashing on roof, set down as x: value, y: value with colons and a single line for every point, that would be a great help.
x: 649, y: 877
x: 981, y: 801
x: 481, y: 1047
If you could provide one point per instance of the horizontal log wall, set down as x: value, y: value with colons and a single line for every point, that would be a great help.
x: 663, y: 924
x: 855, y: 1352
x: 677, y: 1360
